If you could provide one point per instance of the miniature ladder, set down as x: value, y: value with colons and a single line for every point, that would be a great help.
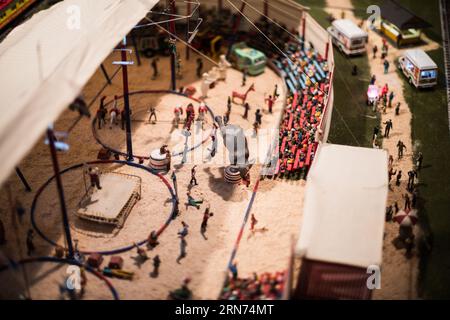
x: 445, y: 24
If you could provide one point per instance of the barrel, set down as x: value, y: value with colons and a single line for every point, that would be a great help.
x: 232, y: 175
x: 158, y: 161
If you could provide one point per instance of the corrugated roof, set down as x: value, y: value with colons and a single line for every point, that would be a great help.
x: 401, y: 17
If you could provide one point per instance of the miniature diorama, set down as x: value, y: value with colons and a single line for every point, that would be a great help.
x: 224, y: 150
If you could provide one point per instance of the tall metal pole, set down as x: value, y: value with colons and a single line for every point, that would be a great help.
x: 188, y: 13
x: 59, y: 185
x: 126, y: 100
x: 177, y: 202
x: 173, y: 56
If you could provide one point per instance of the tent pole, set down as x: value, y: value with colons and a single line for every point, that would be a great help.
x: 173, y: 53
x: 62, y: 201
x: 188, y: 49
x: 126, y: 100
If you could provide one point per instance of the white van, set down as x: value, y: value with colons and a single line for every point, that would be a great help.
x: 348, y: 37
x: 418, y: 67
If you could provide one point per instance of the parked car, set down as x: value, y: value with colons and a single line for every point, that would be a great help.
x: 348, y: 37
x: 420, y: 70
x: 243, y: 57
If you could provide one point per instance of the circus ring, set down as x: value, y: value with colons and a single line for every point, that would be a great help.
x: 117, y: 250
x: 53, y: 260
x: 114, y: 150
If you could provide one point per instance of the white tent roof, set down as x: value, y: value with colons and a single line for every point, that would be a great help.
x: 344, y: 209
x: 349, y: 28
x: 420, y: 59
x: 45, y: 64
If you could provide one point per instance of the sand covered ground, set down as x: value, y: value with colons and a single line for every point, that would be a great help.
x: 207, y: 255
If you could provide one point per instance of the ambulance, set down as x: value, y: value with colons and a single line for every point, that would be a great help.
x: 348, y: 37
x: 420, y: 70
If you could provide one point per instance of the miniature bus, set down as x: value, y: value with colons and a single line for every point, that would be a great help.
x: 419, y: 68
x: 244, y: 57
x: 348, y: 37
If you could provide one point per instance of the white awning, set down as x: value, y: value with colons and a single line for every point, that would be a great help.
x: 344, y: 208
x: 45, y: 62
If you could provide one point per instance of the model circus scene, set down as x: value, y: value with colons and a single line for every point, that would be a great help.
x: 224, y: 150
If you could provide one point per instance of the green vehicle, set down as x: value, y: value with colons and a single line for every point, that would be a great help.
x: 244, y: 57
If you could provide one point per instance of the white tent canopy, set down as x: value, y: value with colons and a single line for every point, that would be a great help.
x: 344, y: 209
x: 46, y: 61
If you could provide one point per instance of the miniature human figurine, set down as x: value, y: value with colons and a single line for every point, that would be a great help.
x: 114, y: 113
x: 206, y: 215
x: 192, y: 202
x: 193, y: 178
x: 199, y: 67
x: 206, y: 83
x: 376, y: 131
x: 399, y: 177
x: 397, y: 109
x: 101, y: 113
x: 152, y: 240
x: 270, y: 102
x: 178, y: 112
x: 396, y: 208
x: 164, y: 150
x: 190, y: 116
x: 391, y: 160
x: 253, y: 222
x: 419, y: 161
x: 374, y: 51
x: 156, y: 264
x: 412, y: 174
x: 178, y: 65
x: 355, y: 70
x: 223, y: 67
x: 202, y: 110
x: 388, y: 128
x: 123, y: 118
x: 373, y: 79
x: 258, y: 117
x: 244, y: 77
x: 214, y: 140
x: 94, y: 177
x: 154, y: 65
x: 30, y: 245
x: 391, y: 173
x: 407, y: 202
x: 152, y: 111
x: 401, y: 146
x: 386, y: 66
x: 391, y: 97
x: 275, y: 92
x: 184, y: 231
x: 246, y: 107
x: 229, y: 104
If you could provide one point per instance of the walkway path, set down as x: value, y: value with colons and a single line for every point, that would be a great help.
x: 399, y: 276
